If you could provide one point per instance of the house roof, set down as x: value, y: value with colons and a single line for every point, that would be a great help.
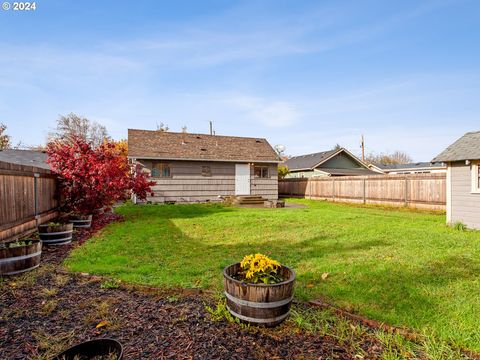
x: 25, y: 157
x: 148, y: 144
x: 416, y: 166
x: 309, y: 161
x: 465, y: 148
x: 348, y: 172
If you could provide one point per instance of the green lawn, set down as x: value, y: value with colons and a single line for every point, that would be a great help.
x: 404, y: 268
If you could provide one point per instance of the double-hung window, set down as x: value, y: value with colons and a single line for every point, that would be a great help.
x: 160, y: 170
x: 261, y: 172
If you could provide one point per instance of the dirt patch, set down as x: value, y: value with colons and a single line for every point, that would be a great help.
x: 37, y: 323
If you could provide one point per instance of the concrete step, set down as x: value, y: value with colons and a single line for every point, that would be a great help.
x: 248, y: 200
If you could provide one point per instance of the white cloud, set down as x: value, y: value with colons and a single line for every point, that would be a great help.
x: 272, y: 114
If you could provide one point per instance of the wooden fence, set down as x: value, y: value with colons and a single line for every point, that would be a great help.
x: 427, y: 191
x: 27, y: 197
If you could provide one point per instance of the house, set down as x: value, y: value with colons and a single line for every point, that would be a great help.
x: 198, y: 167
x: 411, y: 168
x: 463, y: 180
x: 338, y: 162
x: 25, y: 157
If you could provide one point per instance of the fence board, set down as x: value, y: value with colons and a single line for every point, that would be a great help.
x: 414, y: 190
x: 28, y: 196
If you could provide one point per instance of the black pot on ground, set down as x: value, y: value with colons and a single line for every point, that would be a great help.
x: 55, y: 233
x: 81, y: 221
x: 19, y: 256
x: 259, y: 304
x: 93, y: 349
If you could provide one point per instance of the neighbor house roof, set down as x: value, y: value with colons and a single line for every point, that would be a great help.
x: 25, y: 157
x: 411, y: 166
x: 309, y: 161
x: 148, y: 144
x: 348, y: 172
x: 465, y: 148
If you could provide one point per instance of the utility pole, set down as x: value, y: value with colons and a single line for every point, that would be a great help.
x: 211, y: 128
x: 363, y: 149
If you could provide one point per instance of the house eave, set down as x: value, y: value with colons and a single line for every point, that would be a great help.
x: 205, y: 160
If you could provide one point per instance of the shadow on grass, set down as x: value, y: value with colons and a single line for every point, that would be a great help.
x: 172, y: 211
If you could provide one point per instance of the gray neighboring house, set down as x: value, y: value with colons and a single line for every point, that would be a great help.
x: 25, y: 157
x: 463, y: 180
x: 339, y: 162
x: 411, y: 168
x: 199, y: 167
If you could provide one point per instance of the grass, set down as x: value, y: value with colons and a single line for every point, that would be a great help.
x: 401, y: 267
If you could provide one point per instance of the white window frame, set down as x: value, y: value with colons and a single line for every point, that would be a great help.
x: 475, y: 177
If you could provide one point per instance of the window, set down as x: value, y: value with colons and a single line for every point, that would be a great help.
x: 160, y: 170
x: 476, y: 177
x: 261, y: 172
x: 206, y: 171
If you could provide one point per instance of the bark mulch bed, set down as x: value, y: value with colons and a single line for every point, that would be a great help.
x: 47, y: 310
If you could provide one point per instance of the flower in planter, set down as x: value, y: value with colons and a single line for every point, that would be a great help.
x: 260, y: 268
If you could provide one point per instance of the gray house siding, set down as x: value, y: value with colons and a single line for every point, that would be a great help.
x: 186, y: 183
x: 266, y: 187
x: 465, y: 205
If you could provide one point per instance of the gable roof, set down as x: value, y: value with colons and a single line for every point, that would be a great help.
x: 465, y: 148
x: 25, y: 157
x: 311, y: 161
x: 150, y: 144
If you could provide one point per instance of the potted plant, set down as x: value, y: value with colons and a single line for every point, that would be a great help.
x: 259, y: 290
x: 19, y: 256
x: 55, y: 233
x: 81, y: 220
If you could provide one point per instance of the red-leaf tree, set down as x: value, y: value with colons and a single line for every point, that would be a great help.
x: 93, y: 178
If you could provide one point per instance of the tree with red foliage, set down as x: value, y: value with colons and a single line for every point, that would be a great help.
x: 93, y: 178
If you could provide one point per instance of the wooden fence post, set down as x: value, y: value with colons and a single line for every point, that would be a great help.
x: 35, y: 195
x: 333, y: 186
x: 406, y: 191
x: 364, y: 190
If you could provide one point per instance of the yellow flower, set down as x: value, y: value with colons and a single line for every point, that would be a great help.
x: 258, y: 266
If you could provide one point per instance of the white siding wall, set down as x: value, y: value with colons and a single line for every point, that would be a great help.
x: 465, y: 206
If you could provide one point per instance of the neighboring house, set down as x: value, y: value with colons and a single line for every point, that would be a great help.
x: 412, y: 168
x: 198, y: 167
x: 339, y: 162
x: 463, y: 180
x: 25, y: 157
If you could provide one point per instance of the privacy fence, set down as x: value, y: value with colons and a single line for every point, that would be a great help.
x: 426, y: 191
x: 27, y: 197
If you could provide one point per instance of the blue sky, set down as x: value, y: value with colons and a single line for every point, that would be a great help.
x: 305, y: 74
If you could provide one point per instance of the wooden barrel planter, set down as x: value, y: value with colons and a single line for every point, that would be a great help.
x: 60, y: 234
x: 19, y: 256
x: 81, y: 221
x: 259, y: 304
x: 94, y: 349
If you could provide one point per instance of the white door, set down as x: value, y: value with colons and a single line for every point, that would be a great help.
x: 242, y: 179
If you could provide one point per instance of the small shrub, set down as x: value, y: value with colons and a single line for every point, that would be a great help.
x: 221, y: 313
x: 14, y: 244
x: 459, y: 226
x: 110, y: 284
